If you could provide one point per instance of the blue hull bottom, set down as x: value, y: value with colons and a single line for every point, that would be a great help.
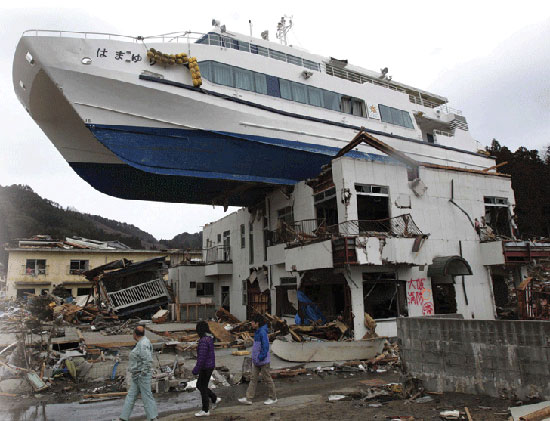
x: 196, y: 166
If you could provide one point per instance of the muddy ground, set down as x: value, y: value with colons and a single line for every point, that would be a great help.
x: 304, y: 397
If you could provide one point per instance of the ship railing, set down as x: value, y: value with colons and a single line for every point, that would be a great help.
x: 448, y: 110
x: 186, y: 36
x: 422, y: 101
x: 443, y: 133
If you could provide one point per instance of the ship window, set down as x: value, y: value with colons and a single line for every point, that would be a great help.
x: 260, y: 83
x: 244, y: 46
x: 394, y: 116
x: 257, y: 49
x: 273, y: 88
x: 397, y: 117
x: 315, y: 96
x: 299, y: 92
x: 311, y: 65
x: 407, y: 119
x: 331, y: 100
x: 205, y: 69
x: 294, y: 60
x: 221, y: 73
x: 358, y: 107
x: 286, y: 91
x: 243, y: 79
x: 277, y: 55
x: 346, y: 105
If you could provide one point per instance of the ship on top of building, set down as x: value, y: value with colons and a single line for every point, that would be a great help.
x: 220, y: 118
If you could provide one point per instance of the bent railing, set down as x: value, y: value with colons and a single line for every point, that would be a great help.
x: 137, y: 294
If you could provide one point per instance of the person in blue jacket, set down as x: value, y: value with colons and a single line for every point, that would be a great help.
x: 260, y: 363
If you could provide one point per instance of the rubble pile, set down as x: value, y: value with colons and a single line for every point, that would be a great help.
x: 533, y: 294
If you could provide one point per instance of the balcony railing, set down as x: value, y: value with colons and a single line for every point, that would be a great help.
x: 316, y: 229
x: 218, y: 254
x: 398, y: 226
x: 34, y: 271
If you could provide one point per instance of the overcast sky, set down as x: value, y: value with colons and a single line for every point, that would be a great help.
x: 490, y: 58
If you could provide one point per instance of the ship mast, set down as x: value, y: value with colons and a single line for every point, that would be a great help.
x: 282, y: 28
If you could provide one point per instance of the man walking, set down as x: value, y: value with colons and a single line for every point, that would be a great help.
x: 260, y: 363
x: 140, y: 365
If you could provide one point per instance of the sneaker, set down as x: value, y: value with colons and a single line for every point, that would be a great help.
x: 270, y: 401
x: 202, y: 414
x: 245, y: 401
x: 215, y: 404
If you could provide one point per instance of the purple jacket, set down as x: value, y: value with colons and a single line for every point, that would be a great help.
x: 205, y: 354
x: 260, y: 349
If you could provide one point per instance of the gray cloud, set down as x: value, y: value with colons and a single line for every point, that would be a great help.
x: 506, y: 94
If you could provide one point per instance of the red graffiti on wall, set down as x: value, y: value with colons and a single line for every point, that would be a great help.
x: 419, y: 295
x: 427, y: 308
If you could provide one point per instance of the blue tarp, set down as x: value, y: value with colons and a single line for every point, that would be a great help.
x: 311, y: 311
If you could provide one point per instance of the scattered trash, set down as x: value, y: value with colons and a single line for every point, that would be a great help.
x: 333, y: 398
x: 450, y: 415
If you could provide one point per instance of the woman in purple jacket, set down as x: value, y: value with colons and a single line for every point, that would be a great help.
x: 206, y: 361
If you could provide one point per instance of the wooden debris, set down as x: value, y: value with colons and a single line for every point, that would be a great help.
x: 538, y: 415
x: 220, y: 333
x: 105, y: 395
x: 240, y: 353
x: 468, y: 413
x: 295, y: 336
x: 286, y: 372
x: 225, y: 316
x: 160, y: 316
x: 10, y: 395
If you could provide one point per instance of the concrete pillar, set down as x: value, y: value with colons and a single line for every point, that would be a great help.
x: 357, y: 306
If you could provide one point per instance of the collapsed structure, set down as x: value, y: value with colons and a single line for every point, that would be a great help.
x: 388, y: 236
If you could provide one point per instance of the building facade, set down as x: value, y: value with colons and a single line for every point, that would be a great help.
x: 39, y: 265
x: 366, y: 236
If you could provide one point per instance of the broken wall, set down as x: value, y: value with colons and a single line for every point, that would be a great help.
x: 488, y: 357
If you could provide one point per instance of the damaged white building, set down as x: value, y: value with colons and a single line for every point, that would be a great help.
x: 387, y: 236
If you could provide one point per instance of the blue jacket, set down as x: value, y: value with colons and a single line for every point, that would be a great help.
x: 260, y: 349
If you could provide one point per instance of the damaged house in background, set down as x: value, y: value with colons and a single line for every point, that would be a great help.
x: 129, y: 288
x: 389, y: 236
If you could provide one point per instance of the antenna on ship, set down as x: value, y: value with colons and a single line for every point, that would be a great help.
x: 282, y: 28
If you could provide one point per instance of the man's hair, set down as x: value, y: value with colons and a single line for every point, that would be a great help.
x: 202, y: 328
x: 258, y: 318
x: 139, y: 330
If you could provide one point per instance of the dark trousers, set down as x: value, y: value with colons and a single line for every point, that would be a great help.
x: 202, y: 385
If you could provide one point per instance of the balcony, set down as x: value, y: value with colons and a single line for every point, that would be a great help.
x: 218, y: 254
x: 218, y: 261
x: 358, y: 242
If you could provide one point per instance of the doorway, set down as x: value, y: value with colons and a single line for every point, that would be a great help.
x: 225, y: 297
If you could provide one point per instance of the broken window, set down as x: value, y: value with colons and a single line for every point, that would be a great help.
x: 205, y: 289
x: 23, y: 293
x: 78, y: 267
x: 226, y: 246
x: 286, y: 215
x: 245, y: 292
x: 35, y: 267
x: 497, y: 215
x: 444, y: 294
x: 251, y: 244
x: 326, y: 207
x: 243, y: 237
x: 83, y: 291
x: 373, y: 208
x: 384, y: 295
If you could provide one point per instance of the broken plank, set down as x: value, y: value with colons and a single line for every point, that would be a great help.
x: 538, y: 415
x: 240, y: 353
x: 468, y: 413
x: 295, y: 336
x: 219, y: 332
x: 105, y: 395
